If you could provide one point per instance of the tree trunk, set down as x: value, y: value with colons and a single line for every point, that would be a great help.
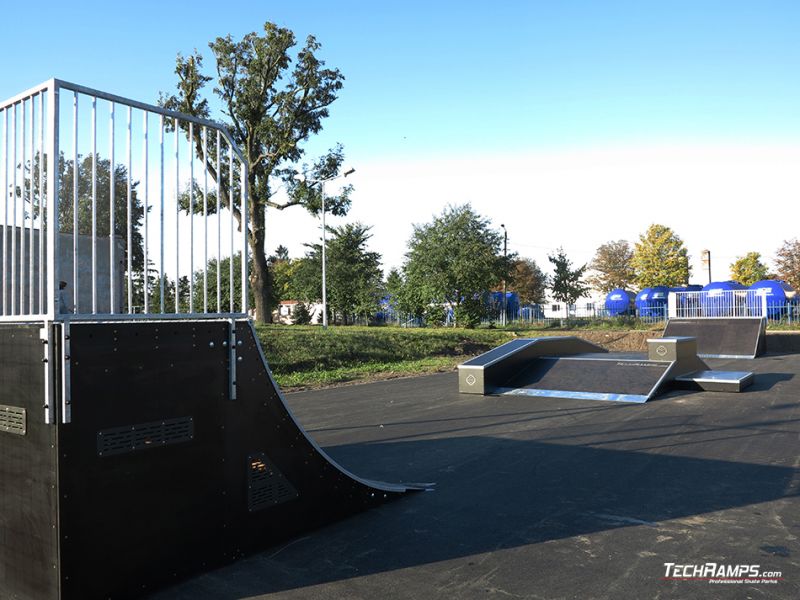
x: 260, y: 280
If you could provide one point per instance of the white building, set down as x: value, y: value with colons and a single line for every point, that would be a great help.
x: 587, y: 306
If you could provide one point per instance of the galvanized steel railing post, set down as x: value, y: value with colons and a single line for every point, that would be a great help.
x: 52, y: 201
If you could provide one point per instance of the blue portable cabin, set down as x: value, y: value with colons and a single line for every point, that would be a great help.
x: 779, y: 295
x: 619, y: 302
x: 495, y: 301
x: 652, y: 302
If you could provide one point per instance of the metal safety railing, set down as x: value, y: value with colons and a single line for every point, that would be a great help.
x: 717, y: 304
x: 116, y: 208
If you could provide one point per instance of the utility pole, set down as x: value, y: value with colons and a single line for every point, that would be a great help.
x: 322, y: 183
x: 705, y: 255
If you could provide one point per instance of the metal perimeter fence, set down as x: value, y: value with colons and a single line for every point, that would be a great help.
x: 535, y: 316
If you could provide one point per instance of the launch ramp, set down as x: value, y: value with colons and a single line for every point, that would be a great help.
x: 722, y: 337
x: 568, y: 367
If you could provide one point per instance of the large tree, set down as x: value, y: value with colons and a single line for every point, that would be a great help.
x: 271, y: 109
x: 353, y: 275
x: 455, y: 259
x: 612, y: 267
x: 660, y: 258
x: 787, y: 262
x: 748, y: 269
x: 567, y: 283
x: 528, y: 281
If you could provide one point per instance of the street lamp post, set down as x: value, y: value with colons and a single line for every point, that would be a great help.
x: 505, y: 259
x: 322, y: 183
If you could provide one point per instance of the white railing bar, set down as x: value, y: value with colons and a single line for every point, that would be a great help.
x: 129, y: 211
x: 42, y: 206
x: 219, y: 227
x: 38, y: 89
x: 94, y: 205
x: 14, y: 212
x: 161, y: 274
x: 31, y: 246
x: 146, y: 282
x: 52, y: 202
x: 233, y: 237
x: 205, y: 219
x: 177, y: 217
x: 112, y: 253
x: 75, y: 203
x: 244, y: 214
x: 143, y: 106
x: 22, y: 277
x: 191, y: 218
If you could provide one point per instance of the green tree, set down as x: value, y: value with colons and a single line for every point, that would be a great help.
x: 528, y: 281
x: 748, y: 269
x: 660, y: 258
x: 301, y: 315
x: 405, y: 298
x: 207, y: 290
x: 353, y: 274
x: 566, y: 283
x: 271, y: 109
x: 455, y: 259
x: 306, y: 281
x: 612, y: 267
x: 787, y: 262
x: 282, y: 269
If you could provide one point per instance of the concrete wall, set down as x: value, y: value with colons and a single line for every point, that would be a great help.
x: 22, y: 283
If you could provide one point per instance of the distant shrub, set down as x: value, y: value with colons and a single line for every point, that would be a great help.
x: 301, y: 315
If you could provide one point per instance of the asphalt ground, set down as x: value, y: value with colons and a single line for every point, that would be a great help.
x: 545, y: 497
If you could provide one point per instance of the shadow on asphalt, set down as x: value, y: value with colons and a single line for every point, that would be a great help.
x: 492, y: 494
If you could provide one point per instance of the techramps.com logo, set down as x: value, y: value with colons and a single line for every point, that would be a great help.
x: 720, y: 573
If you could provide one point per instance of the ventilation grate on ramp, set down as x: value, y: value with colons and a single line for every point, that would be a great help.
x: 13, y: 419
x: 266, y: 485
x: 132, y: 438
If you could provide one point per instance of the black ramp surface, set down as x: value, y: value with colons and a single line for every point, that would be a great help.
x: 27, y: 470
x: 721, y: 337
x: 201, y: 479
x: 592, y: 375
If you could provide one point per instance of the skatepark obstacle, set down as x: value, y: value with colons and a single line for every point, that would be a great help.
x: 142, y: 435
x: 568, y: 367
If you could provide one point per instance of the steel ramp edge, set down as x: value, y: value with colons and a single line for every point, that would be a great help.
x: 380, y: 486
x: 572, y: 395
x: 716, y: 381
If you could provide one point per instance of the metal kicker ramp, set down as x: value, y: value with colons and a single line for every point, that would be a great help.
x: 726, y: 323
x: 569, y: 367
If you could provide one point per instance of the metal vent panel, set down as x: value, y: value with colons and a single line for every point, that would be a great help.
x: 132, y: 438
x: 13, y: 419
x: 266, y: 485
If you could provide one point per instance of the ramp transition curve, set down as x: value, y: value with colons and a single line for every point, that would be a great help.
x: 160, y: 473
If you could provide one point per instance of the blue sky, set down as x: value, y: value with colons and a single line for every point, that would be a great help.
x: 445, y: 87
